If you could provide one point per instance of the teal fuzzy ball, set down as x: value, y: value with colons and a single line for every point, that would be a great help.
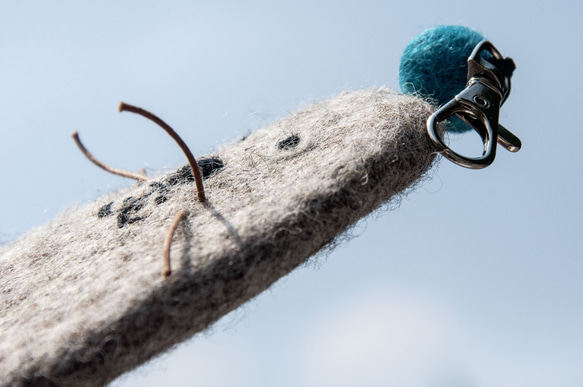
x: 434, y: 65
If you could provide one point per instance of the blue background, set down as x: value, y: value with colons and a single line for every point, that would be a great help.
x: 474, y: 280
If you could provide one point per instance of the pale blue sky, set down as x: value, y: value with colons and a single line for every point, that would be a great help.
x: 475, y: 280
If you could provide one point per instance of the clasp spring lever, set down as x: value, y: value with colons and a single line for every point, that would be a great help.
x: 479, y: 105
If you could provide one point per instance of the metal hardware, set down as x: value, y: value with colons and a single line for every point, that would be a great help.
x: 479, y: 105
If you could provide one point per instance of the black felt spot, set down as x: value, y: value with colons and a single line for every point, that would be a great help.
x: 289, y: 143
x: 182, y: 175
x: 160, y: 199
x: 210, y: 166
x: 123, y: 219
x: 127, y: 212
x: 134, y: 219
x: 105, y: 211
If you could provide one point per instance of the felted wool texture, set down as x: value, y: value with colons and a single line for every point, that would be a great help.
x: 434, y: 64
x: 83, y: 300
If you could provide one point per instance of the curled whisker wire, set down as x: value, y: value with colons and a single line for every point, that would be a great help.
x: 191, y: 160
x: 115, y: 171
x: 168, y: 242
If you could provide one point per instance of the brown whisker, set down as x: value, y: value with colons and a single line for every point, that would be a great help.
x: 191, y: 160
x: 101, y: 165
x: 168, y: 242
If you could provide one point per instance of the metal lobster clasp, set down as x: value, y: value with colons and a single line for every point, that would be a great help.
x: 479, y: 106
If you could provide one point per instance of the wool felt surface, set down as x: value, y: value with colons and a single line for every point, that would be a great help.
x: 434, y: 66
x: 83, y: 299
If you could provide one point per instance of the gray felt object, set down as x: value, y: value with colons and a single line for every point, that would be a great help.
x: 83, y: 299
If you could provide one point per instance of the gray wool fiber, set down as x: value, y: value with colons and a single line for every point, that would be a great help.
x: 82, y: 299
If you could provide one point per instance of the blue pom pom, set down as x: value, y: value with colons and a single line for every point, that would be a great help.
x: 434, y: 65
